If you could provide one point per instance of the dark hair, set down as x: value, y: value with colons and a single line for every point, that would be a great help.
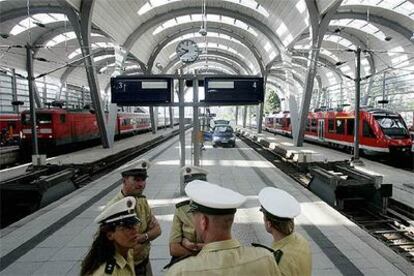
x: 284, y: 226
x: 101, y: 251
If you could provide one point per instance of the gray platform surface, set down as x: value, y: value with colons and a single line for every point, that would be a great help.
x: 90, y: 154
x: 54, y: 240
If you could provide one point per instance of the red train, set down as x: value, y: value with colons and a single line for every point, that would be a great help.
x: 10, y: 127
x: 380, y: 131
x: 57, y: 127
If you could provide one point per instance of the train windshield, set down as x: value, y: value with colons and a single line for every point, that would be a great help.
x: 41, y: 118
x: 392, y: 126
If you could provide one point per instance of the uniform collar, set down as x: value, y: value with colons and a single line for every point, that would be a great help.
x: 120, y: 260
x: 279, y: 244
x: 221, y: 245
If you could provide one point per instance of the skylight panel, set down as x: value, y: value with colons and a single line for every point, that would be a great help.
x: 183, y: 19
x: 213, y: 17
x: 272, y: 55
x: 287, y: 40
x: 96, y: 59
x: 345, y: 69
x: 227, y: 20
x: 158, y: 30
x: 395, y: 51
x: 75, y: 53
x: 400, y: 6
x: 42, y: 18
x: 170, y: 23
x: 251, y: 4
x: 172, y: 56
x: 282, y: 29
x: 360, y: 25
x: 145, y: 8
x: 301, y: 6
x: 267, y: 47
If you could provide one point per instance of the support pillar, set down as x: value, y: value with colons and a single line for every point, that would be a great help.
x: 30, y: 78
x: 152, y: 119
x: 14, y: 90
x: 196, y: 125
x: 182, y: 130
x: 244, y: 116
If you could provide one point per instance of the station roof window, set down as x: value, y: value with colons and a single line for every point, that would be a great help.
x: 35, y: 20
x: 198, y: 18
x: 404, y: 7
x: 361, y: 25
x: 251, y: 4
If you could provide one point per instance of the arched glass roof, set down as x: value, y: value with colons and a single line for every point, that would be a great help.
x: 251, y: 4
x: 198, y: 18
x: 36, y: 20
x: 404, y: 7
x: 65, y: 37
x: 202, y: 45
x: 210, y: 34
x: 361, y: 25
x: 93, y: 46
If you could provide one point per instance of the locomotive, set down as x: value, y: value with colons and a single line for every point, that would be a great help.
x: 380, y: 131
x: 10, y: 128
x: 57, y: 127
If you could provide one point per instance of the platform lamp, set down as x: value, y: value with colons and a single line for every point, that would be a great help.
x: 16, y: 105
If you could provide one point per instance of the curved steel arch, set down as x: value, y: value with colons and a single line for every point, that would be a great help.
x: 219, y: 61
x: 233, y: 58
x: 395, y: 26
x: 22, y: 12
x: 281, y: 71
x: 169, y: 38
x: 95, y: 53
x: 158, y: 19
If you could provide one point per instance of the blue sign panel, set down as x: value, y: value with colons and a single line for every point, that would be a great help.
x: 233, y: 91
x: 138, y: 91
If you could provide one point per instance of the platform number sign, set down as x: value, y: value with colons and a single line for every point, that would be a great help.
x: 144, y: 91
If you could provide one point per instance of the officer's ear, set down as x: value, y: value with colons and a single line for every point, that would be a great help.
x: 204, y: 222
x: 110, y: 235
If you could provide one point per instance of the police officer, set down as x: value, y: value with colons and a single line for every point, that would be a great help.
x: 213, y: 210
x: 183, y: 238
x: 111, y: 251
x: 279, y: 210
x: 133, y: 184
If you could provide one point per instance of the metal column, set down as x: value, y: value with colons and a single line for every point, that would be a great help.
x: 260, y: 118
x: 357, y: 100
x: 152, y: 118
x: 244, y: 116
x: 182, y: 130
x: 196, y: 125
x: 171, y: 110
x: 14, y: 91
x: 237, y: 114
x: 30, y: 78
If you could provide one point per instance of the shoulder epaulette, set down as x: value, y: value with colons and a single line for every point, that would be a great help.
x: 182, y: 203
x: 176, y: 260
x: 110, y: 266
x: 276, y: 253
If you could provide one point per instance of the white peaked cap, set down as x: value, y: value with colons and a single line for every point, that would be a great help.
x: 123, y: 210
x: 213, y: 196
x: 279, y: 203
x: 190, y: 170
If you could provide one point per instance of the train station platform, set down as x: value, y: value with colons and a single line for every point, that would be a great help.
x: 402, y: 180
x: 54, y: 240
x: 93, y: 154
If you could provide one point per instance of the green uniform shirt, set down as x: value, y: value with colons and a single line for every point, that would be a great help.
x: 182, y: 224
x: 144, y: 214
x: 122, y: 267
x: 227, y: 258
x: 296, y: 258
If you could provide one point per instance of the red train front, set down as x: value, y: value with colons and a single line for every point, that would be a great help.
x: 380, y: 131
x: 57, y: 127
x: 10, y: 128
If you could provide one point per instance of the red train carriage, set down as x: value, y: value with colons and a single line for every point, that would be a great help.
x: 380, y: 131
x: 10, y: 127
x: 57, y: 127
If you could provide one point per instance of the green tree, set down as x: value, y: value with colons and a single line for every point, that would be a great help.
x: 272, y: 102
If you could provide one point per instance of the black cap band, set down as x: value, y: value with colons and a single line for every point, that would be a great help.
x: 196, y: 207
x: 273, y: 217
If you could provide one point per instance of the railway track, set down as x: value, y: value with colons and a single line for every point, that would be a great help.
x: 394, y: 226
x: 40, y: 186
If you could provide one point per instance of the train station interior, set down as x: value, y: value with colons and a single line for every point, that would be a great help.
x: 318, y: 102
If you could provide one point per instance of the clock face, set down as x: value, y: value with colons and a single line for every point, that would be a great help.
x: 187, y: 51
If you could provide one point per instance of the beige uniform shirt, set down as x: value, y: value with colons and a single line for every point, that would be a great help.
x: 122, y: 267
x: 144, y: 214
x: 227, y: 258
x: 182, y: 224
x: 296, y: 258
